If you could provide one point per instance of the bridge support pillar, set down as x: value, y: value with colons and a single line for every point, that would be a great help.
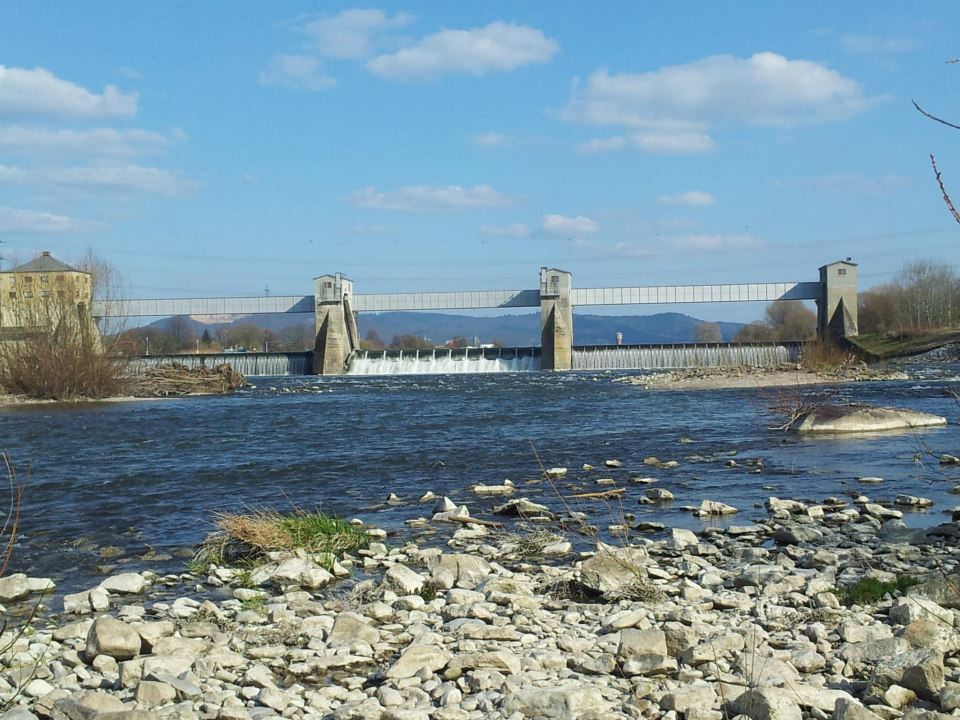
x: 556, y: 320
x: 837, y: 304
x: 336, y: 327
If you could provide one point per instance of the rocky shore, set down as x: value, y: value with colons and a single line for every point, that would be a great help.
x: 747, y: 377
x: 759, y: 620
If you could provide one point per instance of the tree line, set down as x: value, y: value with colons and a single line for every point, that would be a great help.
x: 924, y: 296
x: 783, y: 321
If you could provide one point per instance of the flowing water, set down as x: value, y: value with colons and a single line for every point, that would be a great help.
x: 653, y: 357
x: 445, y: 362
x: 146, y: 476
x: 247, y: 364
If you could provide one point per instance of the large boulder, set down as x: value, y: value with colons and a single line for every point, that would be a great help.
x: 417, y: 658
x: 109, y: 636
x: 571, y: 702
x: 616, y: 572
x: 861, y: 418
x: 14, y: 587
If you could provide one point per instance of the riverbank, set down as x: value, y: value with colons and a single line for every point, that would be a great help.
x: 727, y: 378
x: 801, y: 613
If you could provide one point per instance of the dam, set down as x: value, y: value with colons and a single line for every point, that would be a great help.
x: 441, y: 361
x: 337, y: 345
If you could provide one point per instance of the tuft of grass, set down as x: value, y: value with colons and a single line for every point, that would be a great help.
x: 242, y: 540
x: 871, y: 590
x: 270, y: 530
x: 256, y: 604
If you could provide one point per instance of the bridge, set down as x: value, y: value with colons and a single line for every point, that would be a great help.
x: 334, y: 305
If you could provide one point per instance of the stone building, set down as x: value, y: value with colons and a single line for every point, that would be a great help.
x: 46, y: 293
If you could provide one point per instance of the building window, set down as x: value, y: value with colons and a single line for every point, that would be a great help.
x: 27, y: 295
x: 61, y: 293
x: 841, y: 271
x: 44, y: 279
x: 13, y: 295
x: 44, y: 293
x: 28, y: 278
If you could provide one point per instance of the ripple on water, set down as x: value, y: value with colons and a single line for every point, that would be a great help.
x: 149, y: 475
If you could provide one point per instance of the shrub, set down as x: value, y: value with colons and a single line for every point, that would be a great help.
x: 57, y: 355
x: 871, y: 590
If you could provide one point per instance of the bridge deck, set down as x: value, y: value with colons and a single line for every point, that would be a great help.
x: 480, y: 299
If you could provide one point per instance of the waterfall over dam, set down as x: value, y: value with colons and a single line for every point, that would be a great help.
x: 444, y: 361
x: 248, y: 364
x: 663, y: 357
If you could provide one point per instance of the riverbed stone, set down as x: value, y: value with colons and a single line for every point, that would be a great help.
x: 89, y: 601
x: 14, y: 587
x: 112, y: 637
x: 714, y: 507
x: 350, y: 626
x: 404, y: 580
x: 125, y: 583
x: 768, y: 704
x: 857, y: 419
x: 573, y: 702
x: 416, y: 659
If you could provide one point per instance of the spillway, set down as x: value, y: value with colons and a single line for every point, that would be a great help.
x: 662, y: 357
x: 442, y: 361
x: 248, y: 364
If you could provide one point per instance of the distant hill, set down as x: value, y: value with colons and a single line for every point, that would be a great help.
x: 511, y: 330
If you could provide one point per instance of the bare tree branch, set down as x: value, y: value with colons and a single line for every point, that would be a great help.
x: 943, y: 189
x: 934, y: 117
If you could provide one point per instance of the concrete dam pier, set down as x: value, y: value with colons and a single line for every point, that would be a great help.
x: 334, y: 306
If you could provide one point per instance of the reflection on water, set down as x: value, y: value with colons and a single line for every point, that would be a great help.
x: 144, y: 476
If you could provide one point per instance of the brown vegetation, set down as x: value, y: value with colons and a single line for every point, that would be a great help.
x: 925, y: 296
x: 175, y: 379
x: 57, y: 355
x: 784, y: 321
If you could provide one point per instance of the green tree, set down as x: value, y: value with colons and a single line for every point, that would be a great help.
x: 205, y: 338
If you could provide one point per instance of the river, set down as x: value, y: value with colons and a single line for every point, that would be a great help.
x: 147, y: 476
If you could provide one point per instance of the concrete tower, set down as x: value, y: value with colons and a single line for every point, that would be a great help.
x: 837, y: 305
x: 556, y: 320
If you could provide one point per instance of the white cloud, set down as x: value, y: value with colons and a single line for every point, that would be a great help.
x: 492, y: 139
x: 571, y: 226
x: 513, y: 230
x: 715, y: 242
x: 39, y: 93
x: 874, y: 45
x: 296, y: 71
x: 108, y: 142
x: 598, y: 145
x: 694, y: 197
x: 353, y: 33
x: 497, y: 46
x: 671, y: 109
x: 428, y: 198
x: 124, y: 179
x: 17, y: 220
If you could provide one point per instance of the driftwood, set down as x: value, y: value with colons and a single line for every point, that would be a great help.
x: 616, y: 492
x: 473, y: 521
x: 177, y: 379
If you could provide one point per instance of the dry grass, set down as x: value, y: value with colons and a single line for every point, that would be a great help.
x: 60, y: 357
x: 243, y: 538
x: 825, y: 355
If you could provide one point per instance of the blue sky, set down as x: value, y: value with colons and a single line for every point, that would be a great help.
x: 220, y: 149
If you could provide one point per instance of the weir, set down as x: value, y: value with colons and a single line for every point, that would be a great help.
x: 334, y: 306
x: 445, y: 361
x: 664, y: 357
x: 248, y: 364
